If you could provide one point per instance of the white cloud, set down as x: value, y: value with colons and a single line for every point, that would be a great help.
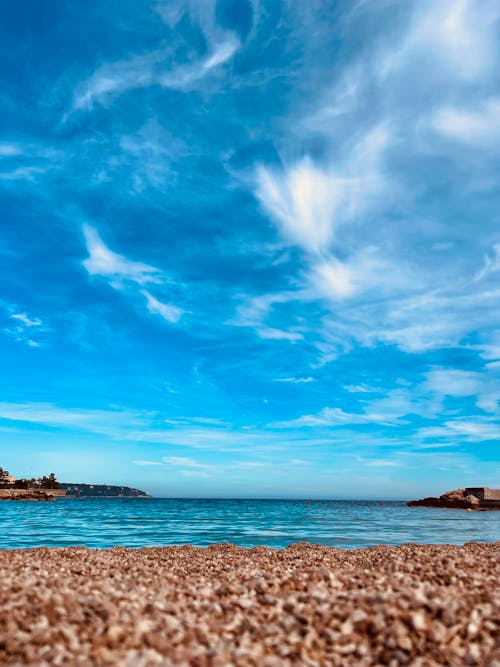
x: 185, y: 462
x: 222, y: 53
x: 124, y: 274
x: 334, y: 278
x: 168, y: 312
x: 473, y: 127
x: 114, y: 79
x: 26, y: 160
x: 271, y: 333
x: 337, y: 417
x: 294, y: 380
x: 309, y: 202
x: 148, y: 155
x: 109, y: 422
x: 28, y: 173
x: 452, y: 382
x: 474, y: 431
x: 382, y: 463
x: 104, y: 262
x: 187, y: 76
x: 10, y: 150
x: 458, y: 383
x: 29, y: 322
x: 254, y: 311
x: 194, y: 469
x: 25, y: 329
x: 364, y: 270
x: 457, y: 36
x: 434, y: 319
x: 330, y: 208
x: 388, y: 410
x: 360, y: 389
x: 303, y: 201
x: 491, y: 264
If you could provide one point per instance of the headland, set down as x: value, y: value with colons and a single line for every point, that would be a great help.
x: 48, y: 488
x: 470, y: 498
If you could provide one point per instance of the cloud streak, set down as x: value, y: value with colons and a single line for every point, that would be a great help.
x: 114, y: 79
x: 125, y: 275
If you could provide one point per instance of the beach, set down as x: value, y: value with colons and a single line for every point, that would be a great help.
x: 419, y: 605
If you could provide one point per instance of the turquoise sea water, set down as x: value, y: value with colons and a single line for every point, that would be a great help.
x: 135, y: 522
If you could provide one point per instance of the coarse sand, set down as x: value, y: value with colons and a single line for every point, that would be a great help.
x: 223, y: 606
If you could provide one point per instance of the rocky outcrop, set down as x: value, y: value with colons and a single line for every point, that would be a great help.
x: 473, y: 499
x: 31, y: 494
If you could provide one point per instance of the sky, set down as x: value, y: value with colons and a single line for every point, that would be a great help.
x: 251, y: 248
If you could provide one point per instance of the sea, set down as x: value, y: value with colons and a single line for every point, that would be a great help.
x: 141, y: 522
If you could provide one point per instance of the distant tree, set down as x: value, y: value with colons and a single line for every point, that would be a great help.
x: 3, y: 478
x: 49, y: 482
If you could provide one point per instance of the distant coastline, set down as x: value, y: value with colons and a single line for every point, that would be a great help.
x: 77, y: 490
x: 48, y: 488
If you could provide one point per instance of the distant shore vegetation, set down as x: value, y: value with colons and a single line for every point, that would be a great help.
x: 44, y: 482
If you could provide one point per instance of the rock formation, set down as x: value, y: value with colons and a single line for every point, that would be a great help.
x: 474, y: 498
x: 31, y: 494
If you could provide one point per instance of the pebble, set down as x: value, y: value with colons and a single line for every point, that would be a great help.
x: 225, y: 606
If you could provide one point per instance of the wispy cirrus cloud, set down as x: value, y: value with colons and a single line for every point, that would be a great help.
x: 103, y: 421
x: 27, y: 321
x: 167, y: 311
x: 475, y: 127
x: 460, y: 35
x: 336, y: 417
x: 294, y: 380
x: 126, y: 275
x: 491, y: 264
x: 272, y: 333
x: 453, y: 382
x: 114, y: 267
x: 23, y: 328
x: 400, y: 406
x: 309, y: 202
x: 462, y: 430
x: 151, y: 69
x: 27, y: 160
x: 394, y: 408
x: 327, y: 206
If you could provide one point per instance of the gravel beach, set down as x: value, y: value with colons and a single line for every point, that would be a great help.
x: 224, y: 605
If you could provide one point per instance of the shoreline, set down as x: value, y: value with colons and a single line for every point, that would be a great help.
x: 421, y: 605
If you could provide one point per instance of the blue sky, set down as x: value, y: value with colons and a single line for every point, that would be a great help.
x: 251, y: 248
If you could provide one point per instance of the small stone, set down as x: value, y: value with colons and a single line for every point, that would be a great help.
x: 358, y: 616
x: 115, y: 633
x: 418, y: 621
x: 404, y: 642
x: 347, y: 628
x: 347, y: 648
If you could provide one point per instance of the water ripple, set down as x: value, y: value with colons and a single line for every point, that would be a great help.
x: 134, y: 522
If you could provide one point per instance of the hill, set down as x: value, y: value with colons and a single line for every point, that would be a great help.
x: 101, y: 491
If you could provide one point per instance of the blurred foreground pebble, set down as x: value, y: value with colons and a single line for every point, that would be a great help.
x: 305, y: 605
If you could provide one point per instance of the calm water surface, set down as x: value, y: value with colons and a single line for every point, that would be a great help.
x: 135, y: 522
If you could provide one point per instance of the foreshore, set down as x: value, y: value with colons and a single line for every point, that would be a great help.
x: 305, y: 605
